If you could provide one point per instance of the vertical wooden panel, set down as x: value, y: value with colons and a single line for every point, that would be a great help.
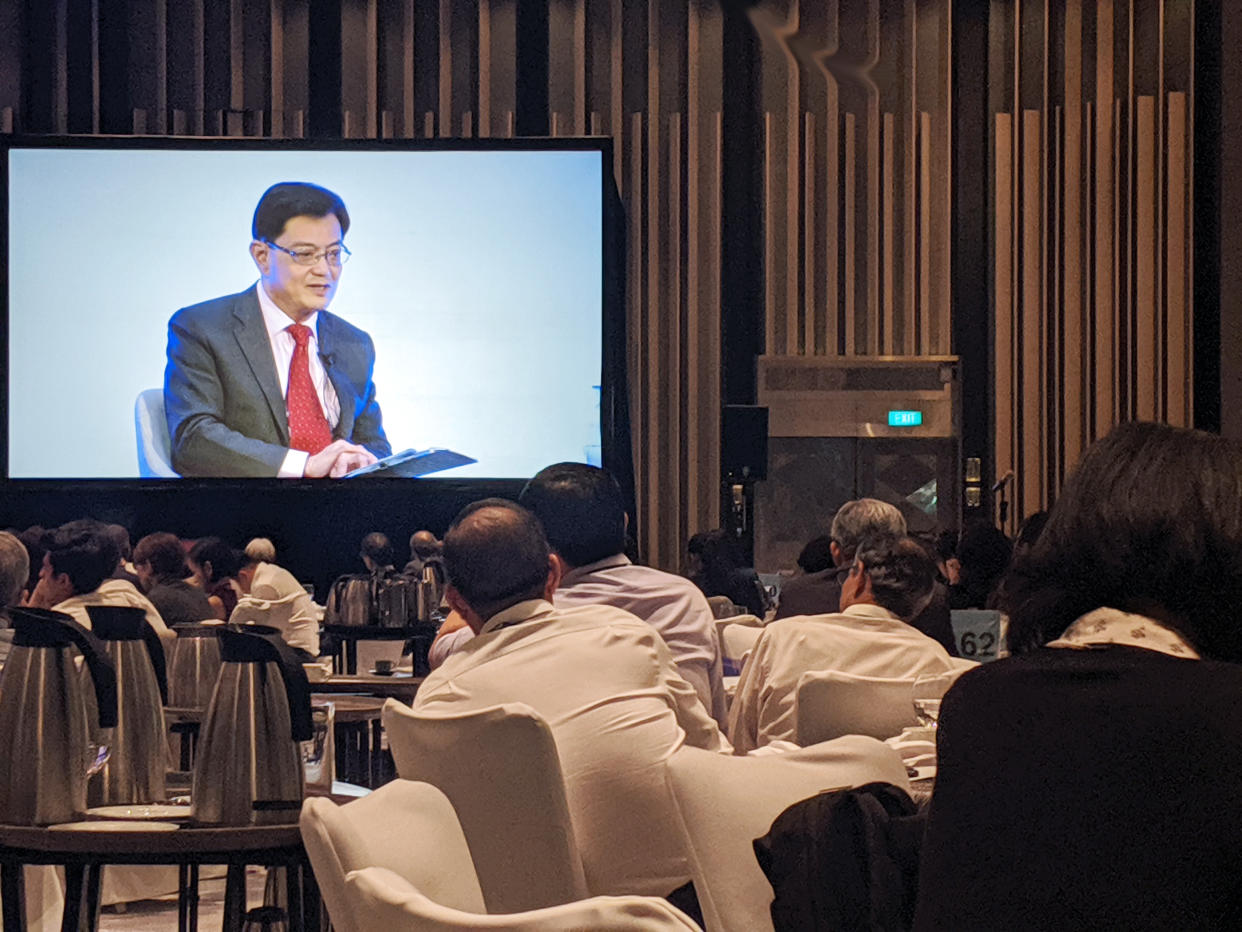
x: 770, y: 227
x: 1146, y: 310
x: 445, y: 112
x: 1004, y: 309
x: 888, y: 296
x: 851, y: 248
x: 1176, y: 267
x: 485, y: 68
x: 1073, y: 394
x: 810, y: 308
x: 1105, y: 245
x: 672, y: 310
x: 1030, y: 487
x: 927, y: 313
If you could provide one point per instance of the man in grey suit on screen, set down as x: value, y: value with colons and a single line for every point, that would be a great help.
x: 268, y: 382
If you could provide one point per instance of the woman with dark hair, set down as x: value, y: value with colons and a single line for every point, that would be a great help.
x: 716, y: 568
x: 1094, y: 780
x: 159, y: 560
x: 214, y: 566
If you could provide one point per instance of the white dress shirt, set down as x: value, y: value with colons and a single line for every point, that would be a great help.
x: 276, y: 598
x: 865, y: 640
x: 277, y: 323
x: 607, y: 686
x: 115, y: 592
x: 673, y: 605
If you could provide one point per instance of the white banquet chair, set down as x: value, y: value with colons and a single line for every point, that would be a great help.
x: 384, y: 900
x: 499, y: 768
x: 724, y: 803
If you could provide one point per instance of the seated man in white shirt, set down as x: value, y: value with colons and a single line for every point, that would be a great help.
x: 603, y: 680
x: 271, y: 595
x: 583, y: 513
x: 888, y: 583
x: 75, y: 571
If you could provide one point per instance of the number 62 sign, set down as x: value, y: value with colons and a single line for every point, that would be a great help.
x: 980, y: 634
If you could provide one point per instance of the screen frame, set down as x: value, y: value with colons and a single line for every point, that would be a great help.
x: 614, y: 419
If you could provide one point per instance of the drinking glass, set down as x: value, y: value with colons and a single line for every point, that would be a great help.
x: 929, y: 689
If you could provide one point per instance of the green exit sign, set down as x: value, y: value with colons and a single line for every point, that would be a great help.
x: 905, y: 418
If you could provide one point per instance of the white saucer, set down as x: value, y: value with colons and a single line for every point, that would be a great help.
x: 115, y: 826
x: 139, y: 812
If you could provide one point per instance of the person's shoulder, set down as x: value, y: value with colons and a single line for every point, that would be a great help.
x: 341, y: 330
x: 215, y: 308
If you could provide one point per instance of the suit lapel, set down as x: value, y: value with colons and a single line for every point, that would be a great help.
x: 252, y: 339
x: 345, y: 394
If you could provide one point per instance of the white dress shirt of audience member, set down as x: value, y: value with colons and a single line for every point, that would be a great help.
x: 271, y: 595
x: 603, y: 680
x: 582, y: 510
x: 889, y: 582
x: 75, y: 574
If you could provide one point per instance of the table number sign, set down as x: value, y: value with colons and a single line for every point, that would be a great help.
x: 980, y: 634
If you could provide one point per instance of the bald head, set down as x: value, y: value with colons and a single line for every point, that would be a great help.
x: 424, y: 544
x: 496, y: 555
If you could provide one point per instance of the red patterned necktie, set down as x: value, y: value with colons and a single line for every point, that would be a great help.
x: 308, y: 428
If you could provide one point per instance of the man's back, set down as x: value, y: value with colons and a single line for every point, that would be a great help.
x: 607, y: 687
x: 865, y: 640
x: 673, y: 605
x: 276, y: 598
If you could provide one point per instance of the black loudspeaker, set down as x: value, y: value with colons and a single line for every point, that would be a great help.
x: 745, y: 442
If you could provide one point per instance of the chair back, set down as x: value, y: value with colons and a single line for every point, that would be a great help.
x: 736, y: 641
x: 722, y: 606
x: 385, y: 901
x: 151, y: 429
x: 726, y: 802
x: 500, y: 769
x: 406, y: 827
x: 829, y: 704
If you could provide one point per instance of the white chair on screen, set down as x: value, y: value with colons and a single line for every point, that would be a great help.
x: 384, y: 900
x: 406, y: 827
x: 724, y: 803
x: 151, y: 428
x: 499, y: 768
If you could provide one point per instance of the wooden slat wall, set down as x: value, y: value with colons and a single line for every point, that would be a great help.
x: 1092, y: 213
x: 856, y: 103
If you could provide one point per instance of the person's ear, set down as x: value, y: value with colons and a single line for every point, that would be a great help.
x: 206, y: 565
x: 462, y: 608
x: 261, y: 253
x: 836, y: 553
x: 556, y: 570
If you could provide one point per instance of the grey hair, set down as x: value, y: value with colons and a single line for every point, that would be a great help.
x: 902, y: 574
x: 14, y: 569
x: 865, y: 517
x: 261, y: 550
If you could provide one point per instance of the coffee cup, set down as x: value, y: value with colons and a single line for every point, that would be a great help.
x: 383, y: 666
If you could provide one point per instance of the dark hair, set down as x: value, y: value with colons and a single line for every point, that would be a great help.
x: 86, y: 555
x: 35, y: 539
x: 288, y: 199
x: 225, y: 560
x: 496, y: 555
x: 901, y: 571
x: 816, y: 555
x: 108, y: 538
x: 377, y: 546
x: 165, y: 554
x: 718, y: 557
x: 582, y: 511
x: 1150, y: 522
x: 983, y: 553
x: 1030, y: 529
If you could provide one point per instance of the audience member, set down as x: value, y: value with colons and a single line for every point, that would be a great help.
x: 214, y: 566
x: 34, y: 539
x: 820, y: 593
x: 604, y: 681
x: 583, y: 512
x: 76, y: 573
x: 159, y: 560
x: 1094, y: 779
x: 14, y: 571
x: 271, y: 595
x: 889, y: 582
x: 260, y: 550
x: 119, y: 535
x: 376, y: 554
x: 816, y: 555
x: 982, y: 554
x: 425, y: 550
x: 716, y: 567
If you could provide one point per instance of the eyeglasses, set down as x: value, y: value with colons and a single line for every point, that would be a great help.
x: 307, y: 255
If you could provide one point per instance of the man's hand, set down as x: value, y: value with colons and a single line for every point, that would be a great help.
x: 336, y: 459
x: 47, y: 593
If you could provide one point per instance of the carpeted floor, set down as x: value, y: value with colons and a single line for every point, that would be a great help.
x: 161, y: 915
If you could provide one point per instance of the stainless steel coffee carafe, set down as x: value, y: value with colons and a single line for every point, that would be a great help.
x: 134, y: 771
x: 249, y: 765
x: 193, y: 666
x: 43, y: 717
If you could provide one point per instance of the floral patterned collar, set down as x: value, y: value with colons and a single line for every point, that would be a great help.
x: 1111, y: 626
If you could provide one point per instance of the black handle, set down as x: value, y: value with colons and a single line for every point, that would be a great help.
x: 40, y: 627
x: 297, y: 687
x: 155, y: 650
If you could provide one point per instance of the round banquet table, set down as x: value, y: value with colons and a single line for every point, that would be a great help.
x: 83, y: 853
